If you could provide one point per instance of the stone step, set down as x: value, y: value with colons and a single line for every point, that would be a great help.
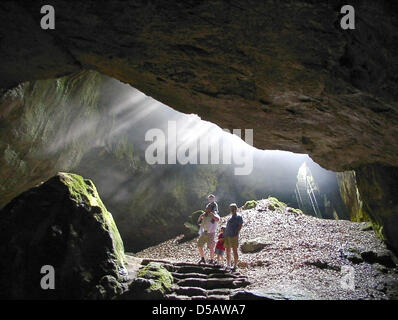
x: 189, y: 264
x: 174, y: 296
x: 217, y: 297
x: 178, y: 275
x: 180, y: 264
x: 198, y: 298
x: 223, y: 275
x: 213, y: 283
x: 190, y: 291
x: 144, y: 262
x: 221, y: 292
x: 198, y: 269
x: 199, y: 282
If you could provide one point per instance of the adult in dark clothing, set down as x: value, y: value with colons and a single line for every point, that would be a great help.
x: 231, y: 235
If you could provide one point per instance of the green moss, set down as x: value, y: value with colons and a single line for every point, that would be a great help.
x: 379, y: 230
x: 192, y: 223
x: 84, y: 191
x: 161, y: 279
x: 350, y: 194
x: 276, y: 203
x: 194, y: 216
x: 250, y: 204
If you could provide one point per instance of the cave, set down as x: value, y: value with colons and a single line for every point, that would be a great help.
x: 286, y: 70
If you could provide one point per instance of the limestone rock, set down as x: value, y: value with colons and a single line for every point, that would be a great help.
x: 62, y: 223
x: 191, y: 225
x: 250, y: 204
x: 154, y: 282
x: 254, y: 245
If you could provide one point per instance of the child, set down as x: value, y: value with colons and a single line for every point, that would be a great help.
x: 212, y: 203
x: 219, y: 251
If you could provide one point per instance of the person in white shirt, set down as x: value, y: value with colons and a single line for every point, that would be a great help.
x: 208, y: 227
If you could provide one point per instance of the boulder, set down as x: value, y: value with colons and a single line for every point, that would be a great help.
x: 250, y: 204
x: 191, y: 225
x: 61, y: 223
x: 254, y: 245
x: 380, y: 256
x: 154, y: 281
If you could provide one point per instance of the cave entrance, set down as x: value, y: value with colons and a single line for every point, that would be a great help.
x: 153, y: 166
x: 157, y: 166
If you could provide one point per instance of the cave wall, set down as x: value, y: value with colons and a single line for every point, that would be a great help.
x: 370, y: 194
x: 349, y: 192
x: 45, y: 128
x: 378, y: 186
x: 284, y: 68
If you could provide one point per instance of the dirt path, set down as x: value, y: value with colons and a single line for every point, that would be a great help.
x: 304, y: 256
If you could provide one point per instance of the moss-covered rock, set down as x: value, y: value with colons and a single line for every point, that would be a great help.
x: 250, y: 204
x: 62, y: 223
x: 161, y: 278
x: 83, y: 191
x: 108, y: 288
x: 276, y: 203
x: 191, y: 225
x: 153, y: 282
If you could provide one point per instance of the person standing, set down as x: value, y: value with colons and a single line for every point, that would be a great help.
x: 231, y: 235
x: 208, y: 227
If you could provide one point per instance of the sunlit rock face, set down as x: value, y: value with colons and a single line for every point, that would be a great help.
x: 45, y: 127
x: 378, y: 186
x: 284, y: 68
x: 370, y: 195
x: 63, y: 224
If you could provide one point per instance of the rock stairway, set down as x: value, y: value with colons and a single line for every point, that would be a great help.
x: 199, y: 282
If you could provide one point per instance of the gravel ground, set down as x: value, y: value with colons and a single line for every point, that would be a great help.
x: 295, y: 242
